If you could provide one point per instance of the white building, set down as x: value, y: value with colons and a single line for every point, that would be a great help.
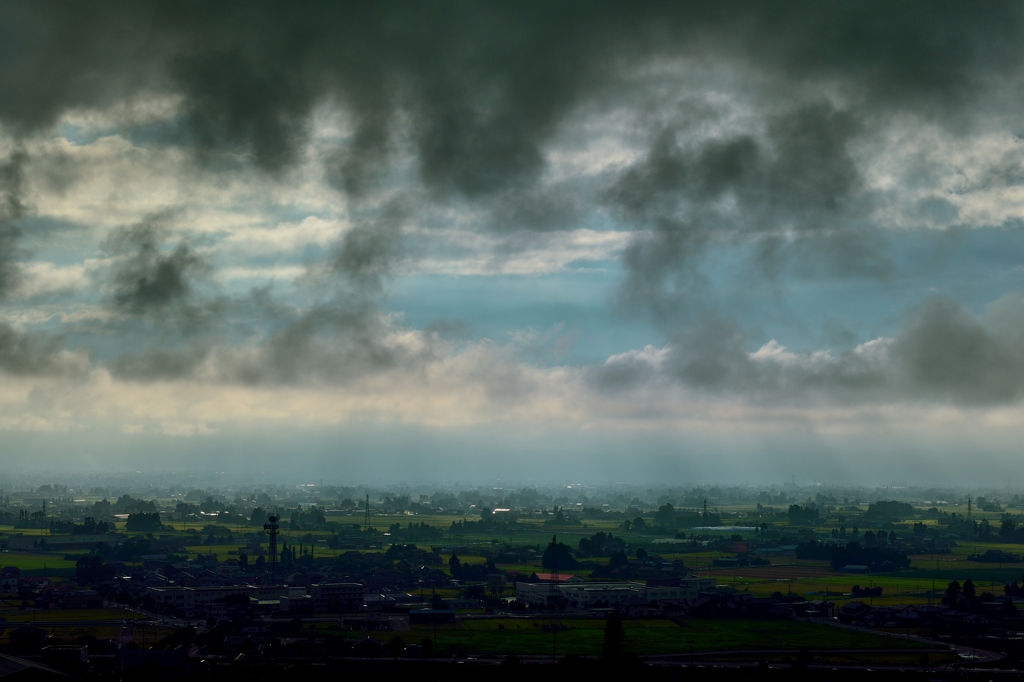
x: 587, y: 594
x: 189, y: 598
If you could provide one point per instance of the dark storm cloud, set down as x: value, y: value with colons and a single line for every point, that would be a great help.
x: 26, y: 354
x: 479, y: 86
x: 947, y: 353
x: 11, y: 208
x: 943, y: 353
x: 476, y: 91
x: 796, y: 191
x: 367, y: 253
x: 147, y: 277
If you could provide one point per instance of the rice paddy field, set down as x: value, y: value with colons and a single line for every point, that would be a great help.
x: 584, y: 637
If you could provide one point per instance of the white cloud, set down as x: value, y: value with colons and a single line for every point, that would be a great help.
x: 773, y: 351
x: 466, y: 253
x: 283, y: 238
x: 42, y: 277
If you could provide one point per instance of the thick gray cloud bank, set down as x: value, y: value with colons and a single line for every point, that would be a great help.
x: 483, y: 85
x: 452, y: 109
x: 944, y: 353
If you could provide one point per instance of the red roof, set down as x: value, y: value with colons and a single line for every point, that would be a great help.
x: 553, y: 577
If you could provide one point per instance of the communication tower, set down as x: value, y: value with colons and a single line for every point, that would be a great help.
x: 554, y: 593
x: 366, y: 515
x: 271, y: 528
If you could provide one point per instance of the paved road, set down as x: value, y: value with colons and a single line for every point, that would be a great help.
x: 978, y: 656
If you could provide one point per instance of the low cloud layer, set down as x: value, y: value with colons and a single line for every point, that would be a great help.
x: 943, y: 354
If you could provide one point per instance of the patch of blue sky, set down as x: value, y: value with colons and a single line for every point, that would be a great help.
x: 567, y: 313
x: 77, y: 135
x: 974, y: 267
x: 55, y: 240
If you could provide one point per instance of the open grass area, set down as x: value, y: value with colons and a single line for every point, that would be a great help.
x: 584, y: 637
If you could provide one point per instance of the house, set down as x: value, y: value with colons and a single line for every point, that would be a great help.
x: 368, y: 647
x: 821, y: 608
x: 853, y: 611
x: 855, y: 568
x: 635, y: 607
x: 85, y: 599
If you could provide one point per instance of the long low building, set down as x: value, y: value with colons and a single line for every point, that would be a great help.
x: 189, y: 598
x: 324, y: 597
x: 590, y: 594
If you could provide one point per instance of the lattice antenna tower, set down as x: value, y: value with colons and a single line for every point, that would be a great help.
x: 366, y: 515
x: 554, y: 594
x: 271, y: 527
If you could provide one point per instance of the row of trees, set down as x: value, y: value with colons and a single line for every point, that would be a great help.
x: 470, y: 572
x: 852, y: 554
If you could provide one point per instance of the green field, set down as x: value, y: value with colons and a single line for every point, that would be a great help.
x: 35, y: 562
x: 584, y: 637
x: 14, y: 614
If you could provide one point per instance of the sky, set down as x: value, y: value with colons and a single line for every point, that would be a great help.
x: 676, y: 242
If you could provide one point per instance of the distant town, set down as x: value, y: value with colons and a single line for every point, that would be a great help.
x: 109, y: 580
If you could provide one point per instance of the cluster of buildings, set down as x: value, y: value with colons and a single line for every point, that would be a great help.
x: 47, y: 594
x: 981, y: 616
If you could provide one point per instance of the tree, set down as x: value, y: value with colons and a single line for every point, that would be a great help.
x: 968, y: 590
x: 454, y: 566
x: 617, y: 559
x: 614, y: 636
x: 641, y: 554
x: 143, y: 522
x: 952, y: 594
x: 1007, y: 529
x: 665, y: 516
x: 558, y: 556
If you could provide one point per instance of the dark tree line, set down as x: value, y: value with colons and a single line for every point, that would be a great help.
x: 876, y: 558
